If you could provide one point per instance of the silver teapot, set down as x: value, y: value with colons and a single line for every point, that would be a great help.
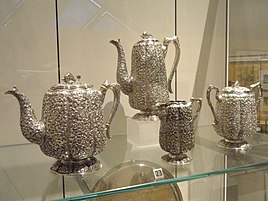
x: 235, y: 117
x: 72, y: 128
x: 148, y: 84
x: 176, y: 134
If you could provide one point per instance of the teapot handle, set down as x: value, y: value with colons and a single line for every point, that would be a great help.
x: 210, y: 88
x: 199, y: 106
x: 116, y: 91
x: 175, y: 41
x: 259, y: 94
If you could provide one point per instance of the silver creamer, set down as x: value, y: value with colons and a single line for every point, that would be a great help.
x: 176, y: 135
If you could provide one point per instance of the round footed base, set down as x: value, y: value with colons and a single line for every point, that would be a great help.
x: 180, y: 159
x: 78, y: 167
x: 146, y: 116
x: 241, y: 145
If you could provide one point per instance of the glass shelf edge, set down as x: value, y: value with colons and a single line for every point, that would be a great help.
x: 162, y: 182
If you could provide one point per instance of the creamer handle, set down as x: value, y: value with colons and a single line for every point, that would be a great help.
x: 210, y: 88
x: 199, y: 106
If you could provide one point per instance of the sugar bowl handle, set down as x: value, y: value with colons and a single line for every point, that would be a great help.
x: 258, y: 92
x: 210, y: 88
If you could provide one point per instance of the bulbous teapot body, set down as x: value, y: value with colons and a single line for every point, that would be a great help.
x: 148, y: 83
x: 176, y: 134
x: 235, y: 117
x: 72, y: 126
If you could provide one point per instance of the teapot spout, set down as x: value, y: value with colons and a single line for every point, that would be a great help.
x: 31, y: 128
x: 122, y: 74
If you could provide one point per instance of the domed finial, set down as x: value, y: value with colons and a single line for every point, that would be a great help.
x: 78, y: 77
x: 69, y: 78
x: 146, y: 35
x: 236, y: 84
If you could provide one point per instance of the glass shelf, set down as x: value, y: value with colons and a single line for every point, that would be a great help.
x: 25, y: 175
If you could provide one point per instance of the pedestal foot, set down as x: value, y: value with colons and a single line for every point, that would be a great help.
x: 146, y: 116
x: 77, y: 167
x: 180, y: 159
x: 241, y: 145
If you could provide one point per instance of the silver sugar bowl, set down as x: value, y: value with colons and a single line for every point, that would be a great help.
x: 148, y: 83
x: 72, y: 127
x: 235, y: 117
x: 176, y: 135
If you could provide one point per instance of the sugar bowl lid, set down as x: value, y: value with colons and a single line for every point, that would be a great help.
x: 235, y: 88
x: 71, y: 82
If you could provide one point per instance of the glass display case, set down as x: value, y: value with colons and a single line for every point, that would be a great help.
x: 248, y: 49
x: 129, y: 170
x: 43, y: 40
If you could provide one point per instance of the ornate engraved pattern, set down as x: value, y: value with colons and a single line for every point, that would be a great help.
x: 148, y: 83
x: 235, y: 116
x: 72, y: 128
x: 148, y: 76
x: 74, y: 124
x: 176, y: 134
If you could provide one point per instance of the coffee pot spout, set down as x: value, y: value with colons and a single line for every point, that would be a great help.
x: 122, y: 74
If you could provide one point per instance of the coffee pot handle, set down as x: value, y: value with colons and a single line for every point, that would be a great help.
x: 210, y: 88
x: 175, y: 41
x: 259, y: 94
x: 116, y: 91
x: 199, y: 106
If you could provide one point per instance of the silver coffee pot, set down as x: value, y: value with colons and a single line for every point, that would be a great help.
x: 148, y: 84
x: 235, y: 117
x: 176, y: 135
x: 72, y: 127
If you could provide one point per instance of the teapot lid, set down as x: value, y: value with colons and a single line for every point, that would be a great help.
x: 71, y: 82
x: 236, y: 89
x: 147, y: 37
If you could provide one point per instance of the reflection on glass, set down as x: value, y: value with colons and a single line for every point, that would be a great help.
x: 85, y: 14
x: 10, y: 9
x: 248, y: 60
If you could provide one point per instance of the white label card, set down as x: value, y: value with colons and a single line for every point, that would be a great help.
x: 158, y: 173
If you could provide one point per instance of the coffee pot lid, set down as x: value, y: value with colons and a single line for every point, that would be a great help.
x: 147, y: 37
